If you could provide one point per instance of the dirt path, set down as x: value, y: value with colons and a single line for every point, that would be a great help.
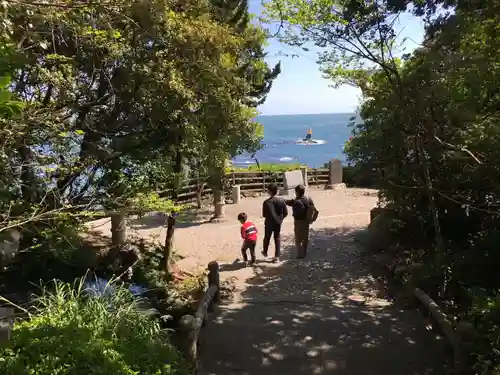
x: 322, y: 315
x: 200, y: 242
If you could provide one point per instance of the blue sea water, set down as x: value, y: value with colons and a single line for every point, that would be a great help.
x: 281, y: 133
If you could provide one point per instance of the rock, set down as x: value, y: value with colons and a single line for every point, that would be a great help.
x: 357, y: 299
x: 467, y: 332
x: 380, y: 233
x: 122, y: 259
x: 9, y: 246
x: 228, y: 287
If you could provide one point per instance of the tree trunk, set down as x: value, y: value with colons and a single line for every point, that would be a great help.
x: 219, y: 204
x: 438, y: 237
x: 169, y: 244
x: 199, y: 193
x: 118, y: 229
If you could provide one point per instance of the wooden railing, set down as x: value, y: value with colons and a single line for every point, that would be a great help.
x: 248, y: 181
x: 190, y: 326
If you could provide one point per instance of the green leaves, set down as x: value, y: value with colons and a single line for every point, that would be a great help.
x: 81, y: 331
x: 354, y: 36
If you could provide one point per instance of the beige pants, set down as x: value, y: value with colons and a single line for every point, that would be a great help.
x: 301, y: 231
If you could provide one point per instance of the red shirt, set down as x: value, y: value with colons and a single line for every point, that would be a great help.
x: 249, y: 231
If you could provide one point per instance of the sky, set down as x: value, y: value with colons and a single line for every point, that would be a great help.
x: 300, y: 88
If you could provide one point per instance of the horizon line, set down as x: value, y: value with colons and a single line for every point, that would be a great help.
x: 308, y: 114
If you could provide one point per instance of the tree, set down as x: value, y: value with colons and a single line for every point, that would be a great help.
x: 253, y: 67
x: 430, y: 131
x: 111, y: 92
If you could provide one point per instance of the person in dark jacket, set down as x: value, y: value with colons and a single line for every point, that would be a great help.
x: 300, y: 205
x: 274, y: 211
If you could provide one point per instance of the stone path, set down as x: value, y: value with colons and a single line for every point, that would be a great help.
x: 323, y: 315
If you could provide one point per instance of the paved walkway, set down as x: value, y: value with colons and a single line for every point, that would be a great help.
x: 323, y: 315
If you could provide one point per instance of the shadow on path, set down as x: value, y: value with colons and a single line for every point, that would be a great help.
x: 322, y: 315
x: 186, y: 219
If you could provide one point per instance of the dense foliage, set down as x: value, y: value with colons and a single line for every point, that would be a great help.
x: 103, y: 107
x: 429, y: 136
x: 104, y: 103
x: 74, y: 332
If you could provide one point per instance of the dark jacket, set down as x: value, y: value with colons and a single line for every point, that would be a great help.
x: 274, y: 211
x: 299, y: 207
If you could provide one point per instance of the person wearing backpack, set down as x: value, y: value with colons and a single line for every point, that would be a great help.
x: 304, y: 214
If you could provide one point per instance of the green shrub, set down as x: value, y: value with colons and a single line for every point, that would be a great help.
x: 359, y: 175
x: 75, y: 332
x: 265, y: 167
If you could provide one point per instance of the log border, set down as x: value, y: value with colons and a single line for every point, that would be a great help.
x: 461, y: 336
x: 190, y: 326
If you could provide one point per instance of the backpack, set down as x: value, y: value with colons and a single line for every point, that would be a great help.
x: 312, y: 212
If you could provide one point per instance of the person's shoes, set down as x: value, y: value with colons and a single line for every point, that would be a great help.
x: 275, y: 260
x: 251, y: 263
x: 264, y: 254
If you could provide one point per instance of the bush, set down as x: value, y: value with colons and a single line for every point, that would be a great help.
x: 359, y: 175
x: 79, y: 333
x: 265, y: 167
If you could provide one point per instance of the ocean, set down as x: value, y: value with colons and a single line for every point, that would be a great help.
x: 281, y: 132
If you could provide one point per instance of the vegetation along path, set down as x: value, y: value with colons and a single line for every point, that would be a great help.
x: 322, y: 315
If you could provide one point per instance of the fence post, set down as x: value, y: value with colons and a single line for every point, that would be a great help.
x: 236, y: 194
x: 234, y: 178
x: 214, y: 279
x: 264, y: 180
x: 334, y: 175
x: 303, y: 169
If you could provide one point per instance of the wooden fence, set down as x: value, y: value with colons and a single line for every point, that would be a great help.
x: 249, y: 182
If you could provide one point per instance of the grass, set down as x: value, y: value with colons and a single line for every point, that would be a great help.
x: 266, y: 167
x: 74, y: 332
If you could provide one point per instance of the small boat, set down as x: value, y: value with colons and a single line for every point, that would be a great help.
x: 307, y: 140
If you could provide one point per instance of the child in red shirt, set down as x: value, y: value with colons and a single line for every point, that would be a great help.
x: 249, y: 235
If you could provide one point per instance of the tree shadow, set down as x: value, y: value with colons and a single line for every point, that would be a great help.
x: 236, y: 265
x: 186, y: 219
x: 322, y: 315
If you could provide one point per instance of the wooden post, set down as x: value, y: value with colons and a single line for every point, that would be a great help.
x: 264, y: 181
x: 303, y: 169
x: 335, y: 175
x: 214, y: 279
x: 236, y: 194
x: 234, y: 178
